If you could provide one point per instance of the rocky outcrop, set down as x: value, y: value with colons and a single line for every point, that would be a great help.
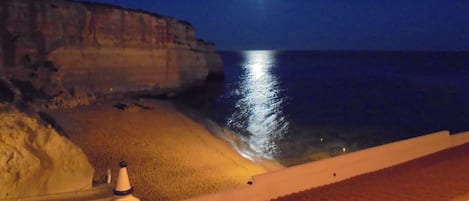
x: 74, y: 52
x: 36, y: 160
x: 214, y: 61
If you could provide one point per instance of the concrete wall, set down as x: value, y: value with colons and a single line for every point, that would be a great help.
x: 460, y: 138
x: 327, y: 171
x: 99, y: 193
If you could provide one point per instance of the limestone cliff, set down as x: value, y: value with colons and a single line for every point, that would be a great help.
x: 69, y: 51
x: 36, y: 160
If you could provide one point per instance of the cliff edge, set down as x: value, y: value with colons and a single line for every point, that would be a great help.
x: 70, y: 53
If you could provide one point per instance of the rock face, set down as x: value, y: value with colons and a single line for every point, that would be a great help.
x: 70, y: 51
x: 38, y: 161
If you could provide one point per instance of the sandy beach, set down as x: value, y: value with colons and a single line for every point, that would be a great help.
x: 170, y: 156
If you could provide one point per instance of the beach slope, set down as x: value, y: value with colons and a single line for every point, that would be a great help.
x: 170, y: 156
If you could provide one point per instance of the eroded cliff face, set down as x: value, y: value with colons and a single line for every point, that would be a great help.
x: 70, y: 53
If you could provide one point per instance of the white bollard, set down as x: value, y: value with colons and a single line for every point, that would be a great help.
x: 123, y: 190
x: 108, y: 176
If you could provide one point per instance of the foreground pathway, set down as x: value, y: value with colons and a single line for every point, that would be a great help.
x: 440, y: 176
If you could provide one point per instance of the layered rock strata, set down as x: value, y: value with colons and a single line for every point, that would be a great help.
x: 70, y: 53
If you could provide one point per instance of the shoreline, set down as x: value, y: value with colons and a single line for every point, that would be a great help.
x: 170, y: 156
x: 240, y: 146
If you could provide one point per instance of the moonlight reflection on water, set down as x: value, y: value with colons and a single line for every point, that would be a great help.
x: 259, y: 107
x: 298, y: 106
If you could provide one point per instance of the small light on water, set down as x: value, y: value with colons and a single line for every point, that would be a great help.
x: 322, y: 139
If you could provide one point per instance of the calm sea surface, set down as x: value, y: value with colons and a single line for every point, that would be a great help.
x: 297, y: 106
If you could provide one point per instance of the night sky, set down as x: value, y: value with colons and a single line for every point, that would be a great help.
x: 434, y: 25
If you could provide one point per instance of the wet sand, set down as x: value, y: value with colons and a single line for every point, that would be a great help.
x: 170, y: 156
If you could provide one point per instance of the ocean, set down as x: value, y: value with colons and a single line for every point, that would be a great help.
x: 300, y: 106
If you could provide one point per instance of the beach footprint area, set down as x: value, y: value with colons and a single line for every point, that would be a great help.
x: 170, y: 156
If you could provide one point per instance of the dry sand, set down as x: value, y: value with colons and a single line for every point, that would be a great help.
x: 170, y: 156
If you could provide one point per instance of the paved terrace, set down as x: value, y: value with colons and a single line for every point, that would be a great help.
x: 440, y: 176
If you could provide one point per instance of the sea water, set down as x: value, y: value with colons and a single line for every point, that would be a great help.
x: 299, y: 106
